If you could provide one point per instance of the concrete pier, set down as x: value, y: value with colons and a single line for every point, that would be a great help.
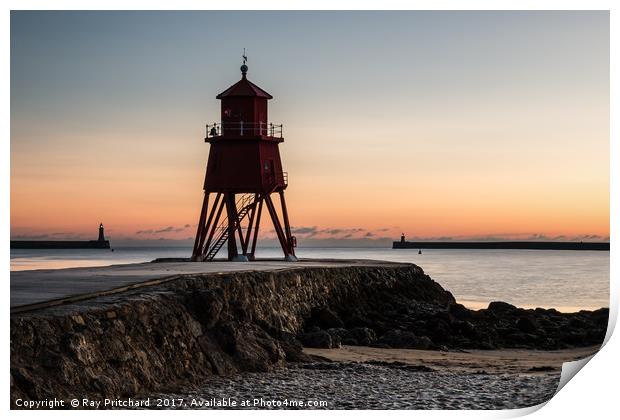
x: 38, y: 287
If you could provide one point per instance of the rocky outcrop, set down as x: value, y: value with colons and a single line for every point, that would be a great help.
x: 161, y: 337
x: 501, y: 325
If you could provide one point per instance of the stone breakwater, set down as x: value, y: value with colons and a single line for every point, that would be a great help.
x: 176, y: 334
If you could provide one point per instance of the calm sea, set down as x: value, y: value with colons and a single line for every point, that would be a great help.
x: 565, y: 280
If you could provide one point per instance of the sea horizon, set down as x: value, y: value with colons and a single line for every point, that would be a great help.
x: 567, y: 281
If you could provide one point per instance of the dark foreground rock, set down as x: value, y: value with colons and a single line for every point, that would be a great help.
x: 426, y: 327
x: 178, y: 333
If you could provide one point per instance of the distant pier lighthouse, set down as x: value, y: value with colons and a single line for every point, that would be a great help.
x: 244, y: 172
x: 101, y: 237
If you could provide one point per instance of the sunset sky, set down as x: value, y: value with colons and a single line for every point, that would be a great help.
x: 437, y: 124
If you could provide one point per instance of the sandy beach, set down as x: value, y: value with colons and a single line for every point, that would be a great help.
x: 361, y: 377
x: 505, y: 361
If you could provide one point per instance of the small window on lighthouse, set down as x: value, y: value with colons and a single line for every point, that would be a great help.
x: 266, y: 166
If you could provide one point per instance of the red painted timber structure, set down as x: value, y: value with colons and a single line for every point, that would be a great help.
x: 244, y: 170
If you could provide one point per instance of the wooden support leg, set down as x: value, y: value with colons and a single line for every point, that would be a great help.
x: 201, y: 227
x: 245, y: 242
x: 205, y: 231
x: 255, y: 238
x: 287, y: 226
x: 276, y: 224
x: 214, y: 224
x: 239, y: 229
x: 231, y: 208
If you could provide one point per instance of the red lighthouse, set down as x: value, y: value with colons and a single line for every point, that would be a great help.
x: 244, y: 171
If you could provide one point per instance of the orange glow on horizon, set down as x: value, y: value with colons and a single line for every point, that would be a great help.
x: 497, y: 126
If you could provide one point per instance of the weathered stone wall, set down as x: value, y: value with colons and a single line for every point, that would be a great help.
x: 177, y: 333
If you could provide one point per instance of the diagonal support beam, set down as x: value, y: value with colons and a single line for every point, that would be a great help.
x: 276, y: 224
x: 201, y: 226
x: 255, y: 237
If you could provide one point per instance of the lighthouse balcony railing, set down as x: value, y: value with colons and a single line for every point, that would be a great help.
x: 243, y: 128
x: 283, y: 177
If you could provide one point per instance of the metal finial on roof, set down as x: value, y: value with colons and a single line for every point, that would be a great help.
x: 244, y: 67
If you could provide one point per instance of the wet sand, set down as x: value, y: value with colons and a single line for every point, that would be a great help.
x: 355, y: 377
x: 351, y: 385
x: 505, y: 361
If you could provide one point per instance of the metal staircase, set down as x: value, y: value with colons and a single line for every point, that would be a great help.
x: 245, y: 203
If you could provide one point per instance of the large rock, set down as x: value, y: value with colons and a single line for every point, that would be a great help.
x: 527, y: 324
x: 325, y: 318
x: 405, y: 340
x: 360, y: 336
x: 320, y: 339
x: 501, y: 308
